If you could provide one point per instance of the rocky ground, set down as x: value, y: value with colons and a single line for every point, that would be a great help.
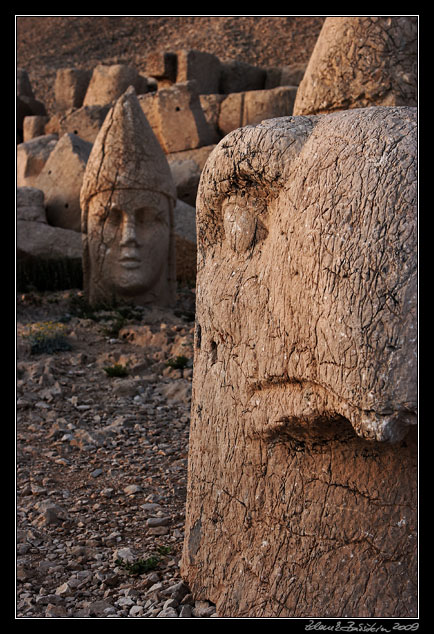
x: 101, y: 460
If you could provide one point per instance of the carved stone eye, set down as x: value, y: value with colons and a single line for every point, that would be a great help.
x: 242, y: 225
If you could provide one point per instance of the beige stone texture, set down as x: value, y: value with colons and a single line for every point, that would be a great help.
x: 162, y: 65
x: 85, y: 122
x: 34, y: 126
x: 302, y: 483
x: 37, y: 240
x: 108, y: 83
x: 177, y: 118
x: 31, y: 158
x: 239, y: 76
x: 211, y: 109
x: 127, y: 202
x: 61, y: 179
x: 70, y: 87
x: 251, y: 107
x: 290, y: 75
x: 30, y: 204
x: 185, y: 242
x: 267, y: 104
x: 231, y: 113
x: 359, y: 62
x: 186, y: 168
x: 202, y: 67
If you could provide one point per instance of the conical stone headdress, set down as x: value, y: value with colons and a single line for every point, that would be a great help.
x: 126, y: 155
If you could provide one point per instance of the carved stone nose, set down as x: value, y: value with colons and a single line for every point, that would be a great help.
x: 129, y: 231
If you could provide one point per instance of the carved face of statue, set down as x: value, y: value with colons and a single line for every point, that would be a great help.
x: 128, y: 236
x: 306, y: 292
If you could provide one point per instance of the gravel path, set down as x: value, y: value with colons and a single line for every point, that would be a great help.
x: 102, y: 461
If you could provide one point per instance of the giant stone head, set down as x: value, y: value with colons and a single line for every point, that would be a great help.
x: 302, y: 485
x: 127, y: 201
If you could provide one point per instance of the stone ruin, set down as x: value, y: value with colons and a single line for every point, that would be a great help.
x: 189, y: 101
x: 127, y: 201
x: 302, y: 483
x: 192, y: 99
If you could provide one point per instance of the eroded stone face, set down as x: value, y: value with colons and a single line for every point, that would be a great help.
x: 315, y: 287
x: 302, y: 459
x: 128, y: 235
x: 127, y: 202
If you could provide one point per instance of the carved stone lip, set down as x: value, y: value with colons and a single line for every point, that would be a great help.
x: 130, y: 260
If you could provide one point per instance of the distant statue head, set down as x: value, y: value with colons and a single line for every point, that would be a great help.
x: 127, y: 201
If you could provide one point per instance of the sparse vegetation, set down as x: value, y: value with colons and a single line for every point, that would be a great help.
x: 178, y: 363
x: 116, y: 370
x: 141, y: 566
x: 47, y: 337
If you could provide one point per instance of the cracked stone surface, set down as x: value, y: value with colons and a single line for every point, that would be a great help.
x: 302, y: 463
x: 361, y: 61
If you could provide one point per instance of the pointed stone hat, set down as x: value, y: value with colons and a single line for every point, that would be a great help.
x: 126, y: 155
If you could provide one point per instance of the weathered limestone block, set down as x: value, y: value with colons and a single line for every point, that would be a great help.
x: 185, y: 241
x: 290, y: 75
x: 61, y: 179
x: 162, y: 66
x: 302, y: 481
x: 267, y: 104
x: 127, y: 202
x: 211, y: 109
x: 31, y: 158
x: 251, y: 107
x: 238, y: 76
x: 177, y: 118
x: 231, y: 113
x: 30, y: 204
x: 110, y: 82
x: 34, y: 126
x: 70, y: 88
x: 85, y: 122
x: 204, y: 68
x: 36, y: 239
x: 186, y: 168
x: 47, y: 257
x: 359, y: 62
x: 27, y: 107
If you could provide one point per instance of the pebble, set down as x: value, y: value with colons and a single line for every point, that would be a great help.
x: 101, y: 477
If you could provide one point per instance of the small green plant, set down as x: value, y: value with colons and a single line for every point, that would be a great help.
x: 141, y: 566
x: 114, y: 325
x: 79, y: 307
x: 47, y: 337
x: 116, y: 370
x: 178, y: 363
